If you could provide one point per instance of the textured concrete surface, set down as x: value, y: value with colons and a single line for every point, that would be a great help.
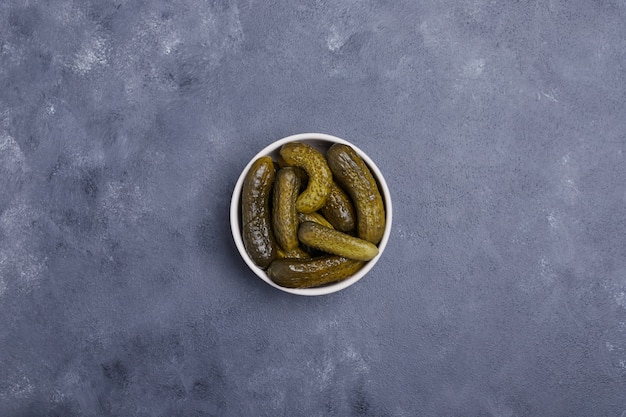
x: 500, y: 127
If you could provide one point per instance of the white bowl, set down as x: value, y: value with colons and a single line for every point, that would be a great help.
x: 321, y: 142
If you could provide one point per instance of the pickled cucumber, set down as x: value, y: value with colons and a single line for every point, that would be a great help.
x: 258, y: 237
x: 336, y: 242
x: 285, y: 220
x: 338, y: 209
x: 351, y: 172
x: 319, y: 174
x: 307, y: 273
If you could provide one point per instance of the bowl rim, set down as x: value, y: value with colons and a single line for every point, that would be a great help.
x: 235, y: 215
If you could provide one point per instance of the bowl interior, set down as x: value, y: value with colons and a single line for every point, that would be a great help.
x: 321, y: 142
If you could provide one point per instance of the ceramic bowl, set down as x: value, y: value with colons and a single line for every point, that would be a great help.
x: 320, y: 142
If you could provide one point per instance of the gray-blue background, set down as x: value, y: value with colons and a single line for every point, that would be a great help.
x: 500, y: 127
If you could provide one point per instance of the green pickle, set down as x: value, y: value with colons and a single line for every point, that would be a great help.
x: 351, y: 172
x: 319, y: 174
x: 338, y: 209
x: 336, y: 242
x: 284, y: 215
x: 257, y: 234
x: 308, y: 273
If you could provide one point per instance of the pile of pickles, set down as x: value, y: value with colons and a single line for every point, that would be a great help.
x: 315, y: 220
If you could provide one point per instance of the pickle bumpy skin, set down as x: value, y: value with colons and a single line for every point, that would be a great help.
x: 354, y: 176
x: 258, y: 237
x: 320, y: 177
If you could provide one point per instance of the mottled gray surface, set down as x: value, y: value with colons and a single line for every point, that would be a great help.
x: 500, y: 128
